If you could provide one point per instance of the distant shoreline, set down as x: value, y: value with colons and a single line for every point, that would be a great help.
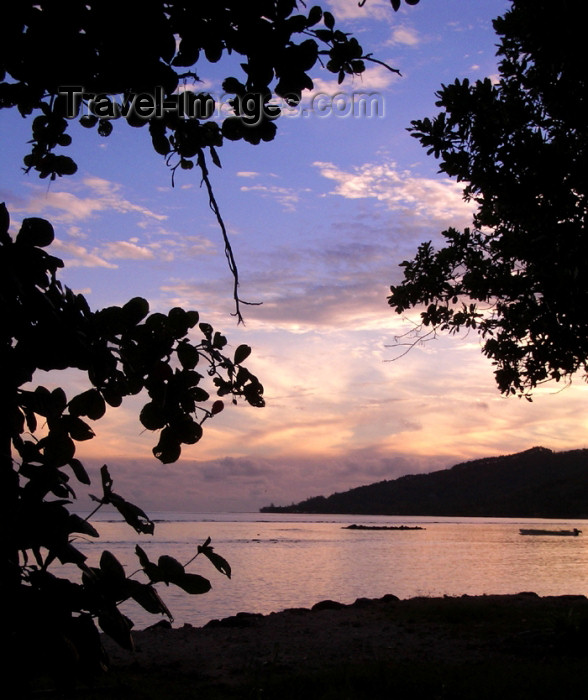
x: 536, y: 483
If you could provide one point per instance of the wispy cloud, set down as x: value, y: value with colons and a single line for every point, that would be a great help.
x: 65, y: 206
x: 125, y: 250
x: 373, y: 78
x: 350, y: 9
x: 69, y: 207
x: 79, y: 256
x: 288, y: 197
x: 400, y: 190
x: 110, y: 194
x: 85, y: 212
x: 405, y: 35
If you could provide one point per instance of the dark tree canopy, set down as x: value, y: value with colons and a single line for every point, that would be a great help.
x: 518, y: 275
x: 103, y: 62
x: 89, y: 60
x: 141, y: 47
x: 122, y: 351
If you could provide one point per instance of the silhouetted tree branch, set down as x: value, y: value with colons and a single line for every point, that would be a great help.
x: 518, y: 275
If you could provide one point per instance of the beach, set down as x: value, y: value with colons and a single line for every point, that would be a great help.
x: 418, y: 646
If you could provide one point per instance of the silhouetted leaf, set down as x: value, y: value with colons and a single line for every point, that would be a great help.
x: 35, y: 232
x: 329, y: 20
x: 153, y: 416
x: 88, y: 121
x: 104, y: 127
x: 170, y: 568
x: 4, y: 225
x: 218, y: 562
x: 188, y: 355
x: 64, y: 165
x: 241, y: 354
x: 132, y: 514
x: 118, y: 626
x: 112, y: 568
x: 58, y: 448
x: 188, y: 430
x: 206, y: 330
x: 199, y: 394
x: 112, y: 395
x: 78, y: 524
x: 135, y: 310
x: 80, y: 472
x: 193, y: 584
x: 178, y: 322
x: 58, y: 402
x: 89, y: 403
x: 215, y: 157
x: 148, y: 598
x: 217, y: 407
x: 77, y: 428
x: 150, y: 569
x: 314, y: 16
x: 168, y: 449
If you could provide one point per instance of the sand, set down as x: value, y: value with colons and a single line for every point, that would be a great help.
x: 465, y: 629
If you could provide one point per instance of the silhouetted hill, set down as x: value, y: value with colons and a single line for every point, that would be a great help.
x: 535, y: 483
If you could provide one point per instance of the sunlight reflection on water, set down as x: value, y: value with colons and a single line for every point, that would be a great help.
x: 294, y: 561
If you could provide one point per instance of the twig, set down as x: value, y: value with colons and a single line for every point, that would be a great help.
x: 228, y: 249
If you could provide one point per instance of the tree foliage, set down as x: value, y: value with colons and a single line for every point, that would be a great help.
x: 518, y: 275
x: 122, y: 351
x: 117, y: 53
x: 91, y: 61
x: 95, y: 62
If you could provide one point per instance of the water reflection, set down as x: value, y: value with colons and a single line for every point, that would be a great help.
x: 294, y: 562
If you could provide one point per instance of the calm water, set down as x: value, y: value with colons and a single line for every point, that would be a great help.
x: 283, y: 561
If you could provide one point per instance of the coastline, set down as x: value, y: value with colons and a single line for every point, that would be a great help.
x: 445, y: 635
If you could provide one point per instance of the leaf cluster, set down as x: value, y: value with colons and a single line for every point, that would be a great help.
x: 122, y: 351
x: 520, y: 146
x: 117, y: 53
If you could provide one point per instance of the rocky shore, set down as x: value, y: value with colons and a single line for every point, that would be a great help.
x: 246, y: 650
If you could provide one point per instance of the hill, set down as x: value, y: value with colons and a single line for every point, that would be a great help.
x: 534, y: 483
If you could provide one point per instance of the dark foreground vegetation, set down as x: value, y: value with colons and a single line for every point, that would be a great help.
x: 480, y: 648
x: 537, y: 483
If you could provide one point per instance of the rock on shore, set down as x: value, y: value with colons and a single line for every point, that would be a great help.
x: 467, y: 628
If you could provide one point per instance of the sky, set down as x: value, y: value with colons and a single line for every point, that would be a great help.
x: 320, y: 220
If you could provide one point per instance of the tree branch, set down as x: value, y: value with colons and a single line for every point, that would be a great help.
x: 228, y: 249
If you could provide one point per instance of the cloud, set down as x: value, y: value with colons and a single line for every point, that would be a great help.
x: 232, y: 468
x: 350, y: 9
x: 248, y: 483
x: 373, y: 78
x: 286, y: 196
x: 358, y: 304
x: 167, y: 250
x: 104, y: 196
x: 399, y: 190
x: 110, y: 194
x: 80, y: 256
x: 70, y: 207
x: 88, y: 210
x: 125, y: 250
x: 76, y: 232
x: 406, y: 36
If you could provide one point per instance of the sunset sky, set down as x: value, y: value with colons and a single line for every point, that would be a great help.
x: 319, y: 220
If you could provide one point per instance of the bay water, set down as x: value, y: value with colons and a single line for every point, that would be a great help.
x: 283, y: 561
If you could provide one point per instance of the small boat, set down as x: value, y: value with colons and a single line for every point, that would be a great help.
x: 562, y: 533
